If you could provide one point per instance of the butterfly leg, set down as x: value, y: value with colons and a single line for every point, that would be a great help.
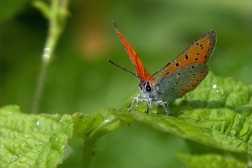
x: 150, y: 105
x: 134, y: 102
x: 164, y: 104
x: 147, y: 108
x: 150, y: 108
x: 166, y: 109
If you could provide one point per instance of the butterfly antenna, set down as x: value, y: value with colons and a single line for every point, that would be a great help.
x: 118, y: 66
x: 159, y: 71
x: 115, y: 26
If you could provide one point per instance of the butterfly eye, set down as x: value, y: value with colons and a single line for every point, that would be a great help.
x: 148, y: 87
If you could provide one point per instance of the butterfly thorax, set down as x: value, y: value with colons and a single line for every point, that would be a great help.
x: 148, y: 91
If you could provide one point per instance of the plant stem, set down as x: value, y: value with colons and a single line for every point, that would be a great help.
x: 88, y: 150
x: 56, y: 24
x: 91, y: 140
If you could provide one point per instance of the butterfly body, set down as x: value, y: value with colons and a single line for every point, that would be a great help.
x: 177, y: 78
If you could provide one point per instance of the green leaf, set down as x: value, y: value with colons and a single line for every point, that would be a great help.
x: 211, y: 160
x: 217, y: 114
x: 40, y: 140
x: 96, y: 125
x: 32, y: 140
x: 84, y: 124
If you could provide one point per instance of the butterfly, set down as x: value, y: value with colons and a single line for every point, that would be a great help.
x: 176, y: 78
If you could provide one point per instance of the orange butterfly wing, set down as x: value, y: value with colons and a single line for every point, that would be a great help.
x: 142, y: 73
x: 198, y: 52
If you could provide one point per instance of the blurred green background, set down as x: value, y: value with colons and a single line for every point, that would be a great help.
x: 80, y: 79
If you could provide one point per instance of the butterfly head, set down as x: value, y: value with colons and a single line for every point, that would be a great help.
x: 146, y: 88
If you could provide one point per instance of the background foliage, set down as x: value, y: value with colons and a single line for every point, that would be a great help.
x: 81, y: 80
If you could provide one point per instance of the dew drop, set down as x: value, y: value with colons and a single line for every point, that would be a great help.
x: 37, y: 123
x: 24, y: 159
x: 35, y: 151
x: 234, y: 141
x: 214, y: 86
x: 232, y: 132
x: 218, y: 112
x: 14, y: 158
x: 16, y: 145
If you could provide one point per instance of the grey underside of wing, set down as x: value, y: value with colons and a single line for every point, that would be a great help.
x: 171, y: 87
